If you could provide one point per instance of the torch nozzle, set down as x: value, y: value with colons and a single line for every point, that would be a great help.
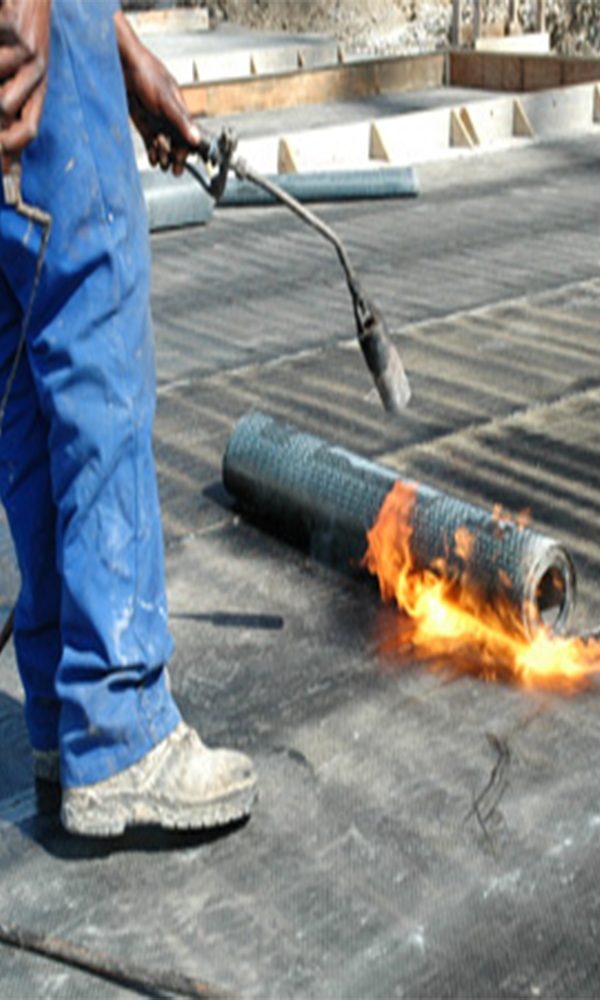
x: 382, y: 358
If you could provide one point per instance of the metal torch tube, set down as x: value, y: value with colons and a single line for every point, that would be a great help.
x: 327, y: 498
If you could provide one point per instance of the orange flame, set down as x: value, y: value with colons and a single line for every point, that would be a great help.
x: 447, y: 619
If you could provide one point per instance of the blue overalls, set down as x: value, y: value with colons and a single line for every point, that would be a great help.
x: 77, y: 475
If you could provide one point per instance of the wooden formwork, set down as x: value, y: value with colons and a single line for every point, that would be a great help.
x: 519, y: 72
x: 493, y: 71
x: 346, y: 81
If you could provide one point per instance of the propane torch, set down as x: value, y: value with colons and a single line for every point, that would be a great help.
x: 381, y: 356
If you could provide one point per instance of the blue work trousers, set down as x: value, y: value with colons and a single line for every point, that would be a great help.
x: 77, y: 475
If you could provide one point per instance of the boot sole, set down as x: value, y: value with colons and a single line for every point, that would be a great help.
x: 109, y: 816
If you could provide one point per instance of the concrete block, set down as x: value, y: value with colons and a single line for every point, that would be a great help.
x: 273, y: 60
x: 562, y: 111
x: 262, y: 154
x: 214, y: 66
x: 411, y: 138
x: 536, y: 42
x: 317, y: 54
x: 344, y: 146
x: 183, y: 68
x: 492, y: 120
x: 176, y: 21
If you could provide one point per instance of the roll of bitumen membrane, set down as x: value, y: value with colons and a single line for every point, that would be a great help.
x: 328, y: 185
x: 175, y: 202
x: 326, y: 498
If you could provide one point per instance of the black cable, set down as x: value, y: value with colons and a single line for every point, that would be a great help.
x: 152, y: 982
x: 44, y: 220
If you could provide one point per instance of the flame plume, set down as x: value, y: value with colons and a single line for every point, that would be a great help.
x: 446, y: 619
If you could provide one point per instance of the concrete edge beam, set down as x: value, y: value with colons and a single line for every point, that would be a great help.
x: 562, y: 111
x: 421, y: 136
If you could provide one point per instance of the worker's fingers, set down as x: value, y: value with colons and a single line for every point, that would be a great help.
x: 24, y: 47
x: 12, y: 57
x: 171, y: 156
x: 163, y: 151
x: 20, y: 87
x: 21, y: 131
x: 181, y: 125
x: 17, y: 136
x: 179, y: 155
x: 161, y: 117
x: 149, y: 141
x: 184, y: 134
x: 162, y: 146
x: 157, y: 143
x: 145, y: 127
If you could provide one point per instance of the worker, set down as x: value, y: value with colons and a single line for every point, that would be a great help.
x: 77, y: 476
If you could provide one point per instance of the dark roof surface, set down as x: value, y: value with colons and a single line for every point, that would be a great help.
x: 365, y: 870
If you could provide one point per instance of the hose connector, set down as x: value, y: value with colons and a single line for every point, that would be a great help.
x: 11, y: 180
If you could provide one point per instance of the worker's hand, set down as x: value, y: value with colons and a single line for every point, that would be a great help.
x: 24, y: 50
x: 156, y: 103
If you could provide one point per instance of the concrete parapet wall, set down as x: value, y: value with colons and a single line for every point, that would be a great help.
x: 422, y: 136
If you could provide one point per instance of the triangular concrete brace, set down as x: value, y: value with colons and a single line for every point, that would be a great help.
x: 522, y: 127
x: 597, y: 103
x: 377, y: 146
x: 462, y: 130
x: 286, y: 160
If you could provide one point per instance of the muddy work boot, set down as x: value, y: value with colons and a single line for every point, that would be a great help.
x: 180, y: 784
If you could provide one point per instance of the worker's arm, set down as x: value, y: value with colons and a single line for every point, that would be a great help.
x: 24, y: 48
x: 156, y: 103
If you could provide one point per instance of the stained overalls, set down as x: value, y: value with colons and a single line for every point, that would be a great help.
x: 77, y: 475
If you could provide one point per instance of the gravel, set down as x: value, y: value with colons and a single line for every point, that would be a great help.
x: 387, y: 27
